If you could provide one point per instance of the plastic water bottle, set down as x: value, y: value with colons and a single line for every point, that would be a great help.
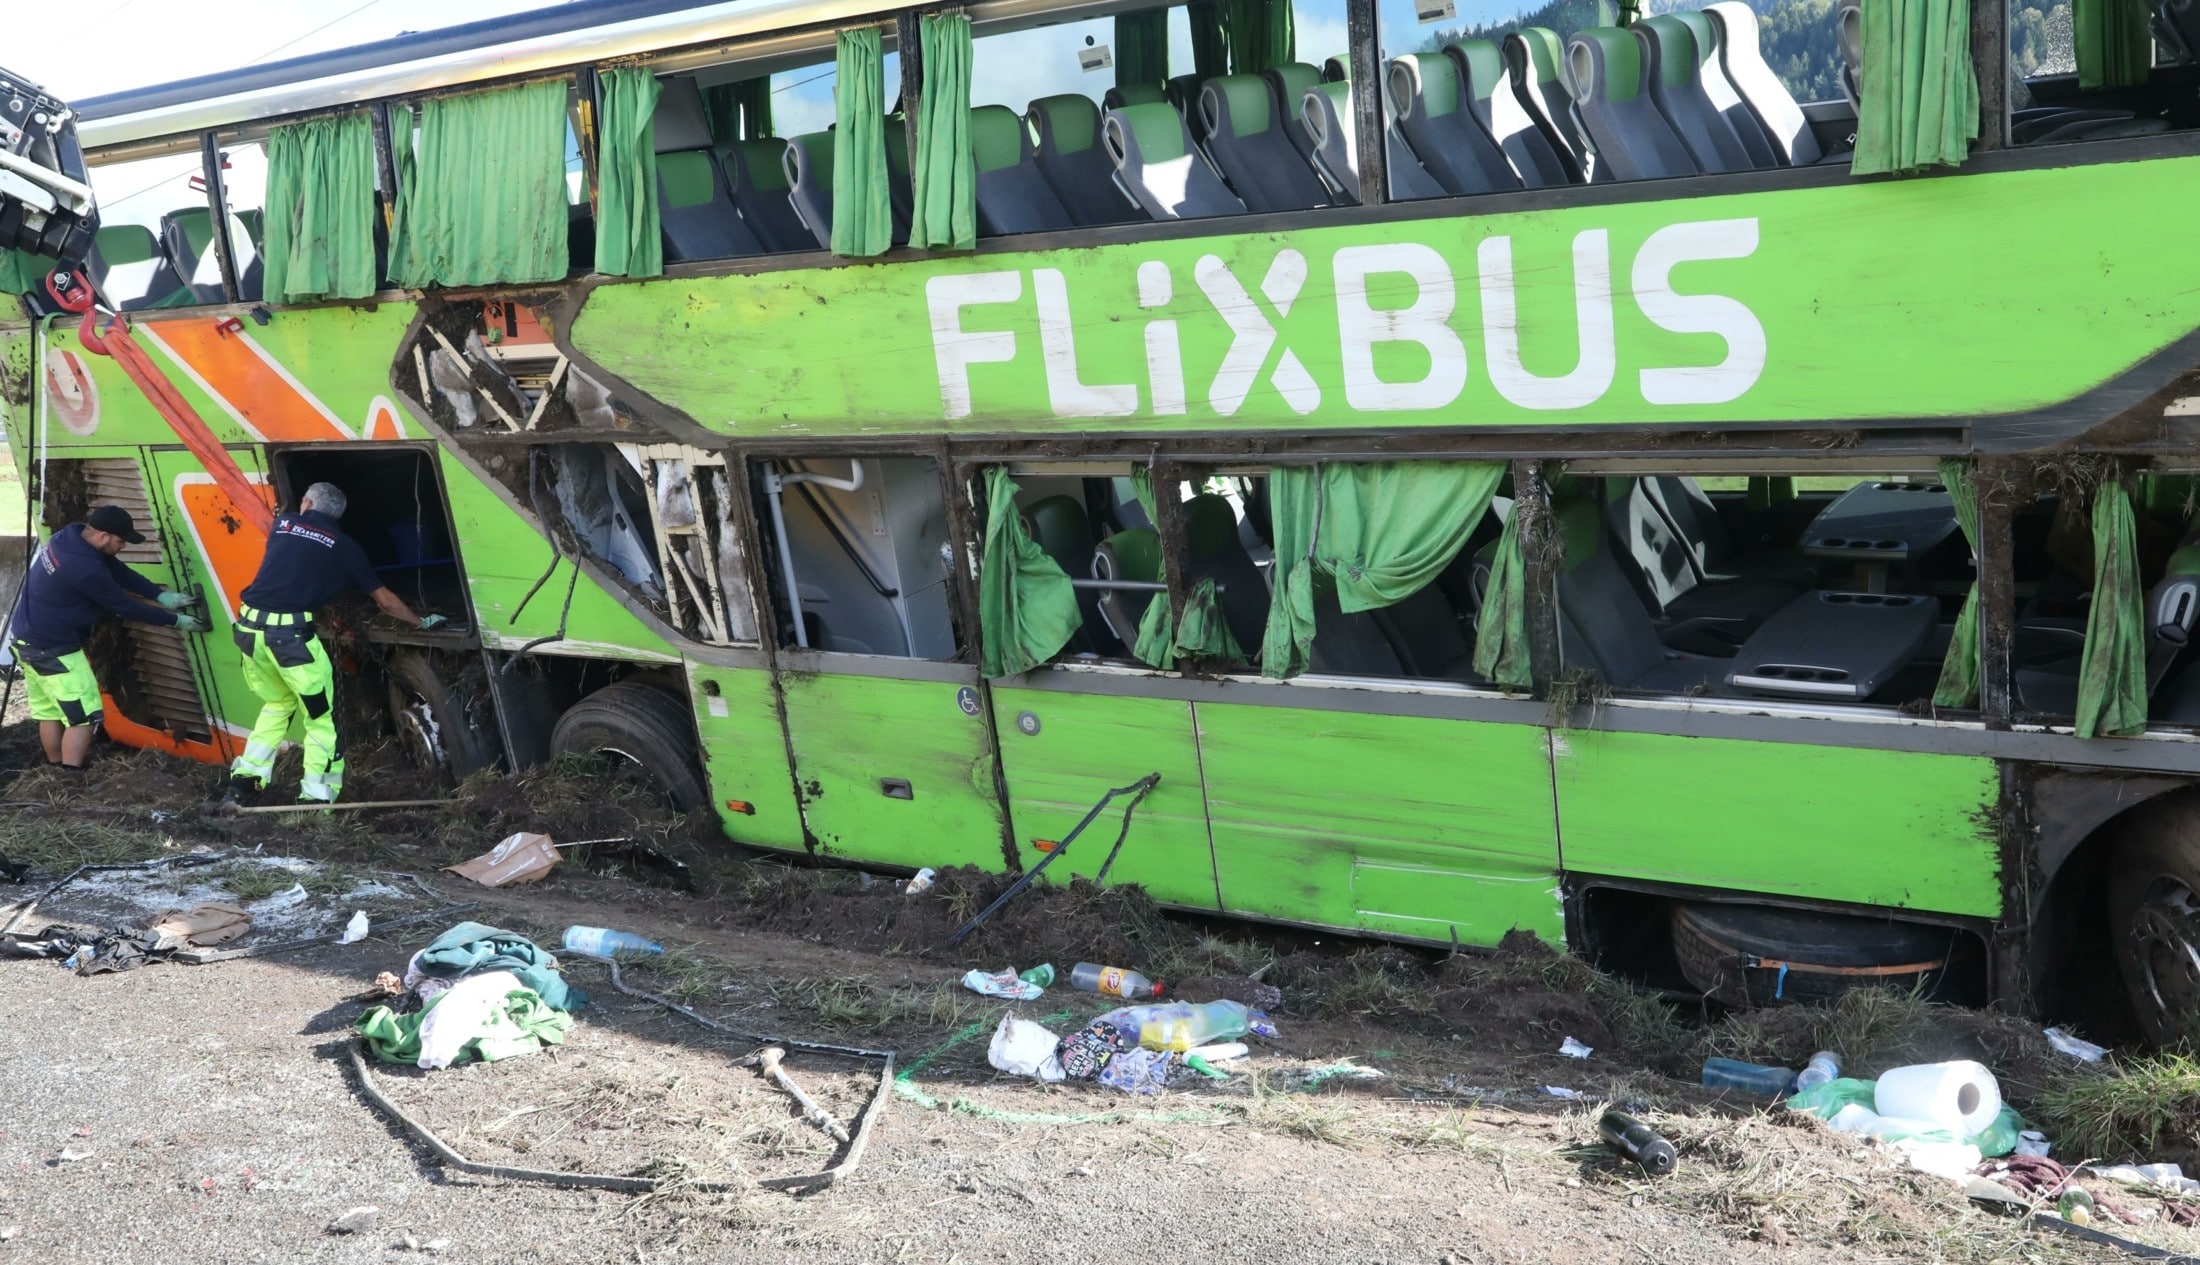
x: 1185, y: 1026
x: 603, y: 942
x: 1113, y: 981
x: 1822, y: 1068
x: 1753, y: 1078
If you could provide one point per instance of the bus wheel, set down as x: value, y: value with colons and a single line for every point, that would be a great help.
x: 641, y: 728
x: 433, y: 719
x: 2154, y: 917
x: 1757, y: 955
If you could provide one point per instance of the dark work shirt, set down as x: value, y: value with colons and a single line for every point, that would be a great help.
x: 309, y: 561
x: 71, y: 584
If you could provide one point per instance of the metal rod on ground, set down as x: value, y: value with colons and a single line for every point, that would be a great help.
x: 1139, y: 788
x: 1100, y: 879
x: 186, y: 858
x: 348, y: 808
x: 767, y: 1061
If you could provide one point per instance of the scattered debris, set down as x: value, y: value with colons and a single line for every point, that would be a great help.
x: 1929, y: 1104
x: 1137, y: 790
x: 1750, y: 1078
x: 1008, y: 985
x: 1823, y: 1068
x: 2075, y: 1047
x: 603, y: 942
x: 203, y: 927
x: 1574, y: 1049
x: 919, y: 883
x: 70, y: 1155
x: 1113, y: 981
x: 1570, y: 1095
x: 356, y: 929
x: 385, y: 985
x: 1632, y: 1139
x: 767, y: 1062
x: 521, y: 858
x: 356, y: 1221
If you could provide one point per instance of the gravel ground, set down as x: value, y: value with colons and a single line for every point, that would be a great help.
x: 217, y: 1121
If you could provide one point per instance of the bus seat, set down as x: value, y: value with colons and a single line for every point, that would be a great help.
x: 679, y: 121
x: 1289, y: 82
x: 2050, y: 653
x: 1631, y: 137
x: 695, y: 210
x: 1690, y: 512
x: 128, y: 268
x: 1012, y: 196
x: 901, y: 198
x: 1427, y: 635
x: 1127, y: 555
x: 1337, y: 69
x: 1486, y: 88
x: 758, y: 179
x: 1848, y: 31
x: 1536, y: 57
x: 1214, y: 552
x: 1182, y: 94
x: 1133, y: 94
x: 1159, y: 167
x: 1327, y: 111
x: 1762, y: 95
x: 1427, y: 99
x: 1611, y: 628
x: 1066, y: 145
x: 1245, y: 134
x: 1348, y: 645
x: 1664, y: 569
x: 1059, y: 525
x: 1679, y: 64
x: 808, y: 163
x: 2171, y: 608
x: 187, y: 234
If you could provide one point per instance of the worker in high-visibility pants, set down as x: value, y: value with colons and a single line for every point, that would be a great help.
x: 309, y: 561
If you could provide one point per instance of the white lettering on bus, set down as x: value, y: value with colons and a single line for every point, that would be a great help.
x: 1426, y: 321
x: 1699, y: 313
x: 1256, y: 347
x: 954, y: 349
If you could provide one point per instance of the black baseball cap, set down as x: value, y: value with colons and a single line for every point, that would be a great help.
x: 115, y: 521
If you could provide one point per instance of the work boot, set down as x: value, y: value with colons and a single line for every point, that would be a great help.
x: 239, y: 790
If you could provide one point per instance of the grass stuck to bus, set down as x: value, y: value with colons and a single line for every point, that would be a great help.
x: 1706, y: 492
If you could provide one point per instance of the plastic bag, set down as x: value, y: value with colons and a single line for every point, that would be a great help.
x: 1846, y: 1104
x: 1004, y: 983
x: 1024, y: 1048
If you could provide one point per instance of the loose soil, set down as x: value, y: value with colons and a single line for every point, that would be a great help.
x: 1401, y: 1115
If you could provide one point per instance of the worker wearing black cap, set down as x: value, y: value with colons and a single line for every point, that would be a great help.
x: 73, y: 580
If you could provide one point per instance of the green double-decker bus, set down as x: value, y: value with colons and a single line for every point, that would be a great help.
x: 1706, y: 487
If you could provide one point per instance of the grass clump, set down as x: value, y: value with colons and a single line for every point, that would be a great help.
x: 2137, y: 1109
x: 854, y: 1006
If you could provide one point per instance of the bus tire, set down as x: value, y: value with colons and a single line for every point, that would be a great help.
x: 440, y: 730
x: 643, y: 725
x: 2154, y: 919
x: 1760, y: 955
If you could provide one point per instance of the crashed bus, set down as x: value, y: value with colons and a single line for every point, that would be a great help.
x: 1707, y: 488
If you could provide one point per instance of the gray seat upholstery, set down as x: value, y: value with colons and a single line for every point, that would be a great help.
x: 758, y: 177
x: 1066, y: 145
x: 130, y: 270
x: 1213, y: 551
x: 1012, y: 196
x: 1429, y: 102
x: 2049, y: 654
x: 1848, y: 32
x: 1290, y: 82
x: 1430, y: 641
x: 1666, y: 574
x: 1159, y: 167
x: 1182, y: 94
x: 1537, y: 59
x: 1127, y: 555
x: 1348, y: 645
x: 809, y: 167
x: 187, y: 234
x: 1696, y: 520
x: 1611, y: 91
x: 696, y: 214
x: 1681, y: 65
x: 1246, y: 139
x: 1762, y: 94
x: 1604, y: 627
x: 1327, y: 110
x: 1486, y: 87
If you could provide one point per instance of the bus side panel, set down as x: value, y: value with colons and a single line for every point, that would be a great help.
x: 1087, y: 744
x: 860, y: 742
x: 1851, y: 824
x: 504, y: 555
x: 1405, y: 825
x: 211, y: 547
x: 745, y: 755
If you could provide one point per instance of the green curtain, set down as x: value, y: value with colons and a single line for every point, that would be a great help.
x: 403, y: 141
x: 1958, y: 686
x: 1027, y: 608
x: 486, y: 202
x: 629, y: 240
x: 1380, y: 530
x: 1153, y: 645
x: 1920, y: 97
x: 319, y: 231
x: 21, y: 272
x: 946, y: 178
x: 1210, y: 38
x: 863, y: 222
x: 1501, y: 631
x: 2112, y: 677
x: 740, y: 111
x: 1261, y: 34
x: 1162, y: 638
x: 1142, y: 48
x: 2114, y: 42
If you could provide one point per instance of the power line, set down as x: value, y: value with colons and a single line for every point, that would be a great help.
x: 315, y: 31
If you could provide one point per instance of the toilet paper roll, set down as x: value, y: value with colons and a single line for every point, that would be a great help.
x: 1960, y: 1097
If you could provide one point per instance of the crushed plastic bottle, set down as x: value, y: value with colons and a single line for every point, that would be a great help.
x: 1823, y: 1067
x: 603, y: 942
x: 1042, y: 975
x: 1113, y: 981
x: 1754, y: 1078
x: 919, y: 883
x: 1179, y: 1027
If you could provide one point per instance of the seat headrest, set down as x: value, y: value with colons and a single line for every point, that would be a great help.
x: 1128, y: 555
x: 1606, y: 65
x: 1243, y: 102
x: 1538, y: 54
x: 1481, y: 64
x: 1210, y: 525
x: 685, y: 178
x: 196, y: 223
x: 756, y: 164
x: 125, y: 244
x: 680, y: 122
x: 1068, y: 124
x: 810, y: 158
x: 1326, y: 106
x: 996, y: 137
x: 1431, y: 83
x: 1737, y: 24
x: 1337, y: 70
x: 1292, y: 78
x: 1157, y: 130
x: 1057, y: 520
x: 1124, y: 94
x: 1676, y: 45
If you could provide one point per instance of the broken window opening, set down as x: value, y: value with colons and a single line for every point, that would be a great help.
x: 860, y: 555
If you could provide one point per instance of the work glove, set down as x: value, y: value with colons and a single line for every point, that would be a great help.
x: 431, y: 622
x: 174, y: 601
x: 190, y: 624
